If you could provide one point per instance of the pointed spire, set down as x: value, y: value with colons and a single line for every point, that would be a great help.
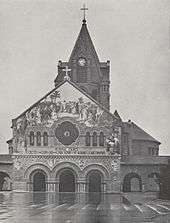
x: 84, y: 44
x: 84, y: 9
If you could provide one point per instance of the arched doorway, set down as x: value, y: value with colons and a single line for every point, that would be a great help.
x: 67, y: 181
x: 132, y: 183
x: 154, y: 182
x: 38, y: 179
x: 5, y: 182
x: 94, y: 186
x: 67, y: 186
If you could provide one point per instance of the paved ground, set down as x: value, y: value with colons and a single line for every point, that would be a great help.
x: 49, y: 208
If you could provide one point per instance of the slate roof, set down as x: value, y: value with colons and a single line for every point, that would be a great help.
x: 84, y: 46
x: 85, y: 43
x: 139, y: 134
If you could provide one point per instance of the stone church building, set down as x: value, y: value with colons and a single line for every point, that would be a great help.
x: 69, y: 141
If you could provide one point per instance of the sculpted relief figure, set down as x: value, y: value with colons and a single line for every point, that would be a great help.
x: 113, y: 145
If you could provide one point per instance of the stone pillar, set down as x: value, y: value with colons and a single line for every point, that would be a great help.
x: 104, y: 187
x: 81, y: 191
x: 50, y: 186
x: 29, y: 186
x: 57, y: 186
x: 115, y: 174
x: 46, y: 186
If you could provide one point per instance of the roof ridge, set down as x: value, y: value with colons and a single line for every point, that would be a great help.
x: 144, y: 132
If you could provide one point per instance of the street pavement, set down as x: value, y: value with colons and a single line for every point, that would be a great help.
x: 49, y: 208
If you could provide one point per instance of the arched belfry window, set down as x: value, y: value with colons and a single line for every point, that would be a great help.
x: 101, y: 139
x: 87, y: 139
x: 31, y: 138
x: 45, y: 139
x: 94, y: 139
x: 38, y: 139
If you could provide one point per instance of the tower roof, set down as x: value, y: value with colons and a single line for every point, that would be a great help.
x: 84, y: 45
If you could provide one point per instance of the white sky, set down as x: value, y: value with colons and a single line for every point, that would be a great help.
x: 132, y: 34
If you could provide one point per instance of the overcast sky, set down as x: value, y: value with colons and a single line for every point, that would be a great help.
x: 132, y: 34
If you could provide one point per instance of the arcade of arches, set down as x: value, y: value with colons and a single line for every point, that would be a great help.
x: 67, y: 178
x: 132, y: 182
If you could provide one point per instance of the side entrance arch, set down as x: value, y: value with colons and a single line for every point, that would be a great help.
x: 132, y: 183
x: 38, y: 179
x: 5, y: 182
x: 94, y: 186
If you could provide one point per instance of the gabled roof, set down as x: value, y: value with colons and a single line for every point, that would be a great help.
x: 139, y: 134
x: 75, y: 86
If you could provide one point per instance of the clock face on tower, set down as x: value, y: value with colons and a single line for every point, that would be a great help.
x: 82, y: 61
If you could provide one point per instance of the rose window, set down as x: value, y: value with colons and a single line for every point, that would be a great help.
x: 66, y: 133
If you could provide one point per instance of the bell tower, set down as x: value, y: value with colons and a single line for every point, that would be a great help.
x: 87, y: 72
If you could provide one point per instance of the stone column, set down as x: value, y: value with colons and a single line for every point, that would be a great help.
x: 51, y: 185
x: 81, y: 191
x: 46, y: 185
x: 57, y: 186
x: 115, y: 174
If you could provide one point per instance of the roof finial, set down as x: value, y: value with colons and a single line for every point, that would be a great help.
x: 66, y: 77
x: 84, y: 9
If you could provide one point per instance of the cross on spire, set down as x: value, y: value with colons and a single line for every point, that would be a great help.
x: 66, y: 77
x: 84, y: 9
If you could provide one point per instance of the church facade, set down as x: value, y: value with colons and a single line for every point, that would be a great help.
x: 69, y: 141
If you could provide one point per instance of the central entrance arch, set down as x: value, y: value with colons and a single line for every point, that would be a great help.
x: 67, y: 181
x: 39, y: 179
x: 67, y: 186
x: 94, y: 186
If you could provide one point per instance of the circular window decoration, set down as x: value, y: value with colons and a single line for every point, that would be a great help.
x: 66, y: 133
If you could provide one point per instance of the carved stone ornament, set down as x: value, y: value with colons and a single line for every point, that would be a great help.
x: 115, y: 165
x: 17, y: 165
x: 113, y: 145
x: 81, y: 164
x: 50, y: 163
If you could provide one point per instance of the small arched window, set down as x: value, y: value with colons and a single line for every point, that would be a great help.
x: 87, y: 139
x: 38, y: 139
x: 31, y: 138
x: 94, y: 139
x: 45, y: 139
x: 101, y: 139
